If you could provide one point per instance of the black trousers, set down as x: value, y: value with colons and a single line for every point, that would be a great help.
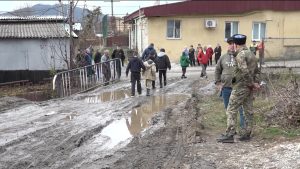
x: 136, y: 79
x: 119, y: 68
x: 210, y: 61
x: 217, y: 57
x: 153, y: 84
x: 192, y: 61
x: 122, y: 62
x: 162, y: 73
x: 183, y: 70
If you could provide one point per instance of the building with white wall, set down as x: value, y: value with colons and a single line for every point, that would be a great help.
x: 30, y: 47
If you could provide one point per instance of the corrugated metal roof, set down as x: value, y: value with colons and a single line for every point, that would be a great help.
x: 34, y: 27
x: 32, y: 18
x: 33, y: 30
x: 214, y: 7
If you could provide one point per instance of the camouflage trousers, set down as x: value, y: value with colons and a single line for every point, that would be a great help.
x: 242, y: 96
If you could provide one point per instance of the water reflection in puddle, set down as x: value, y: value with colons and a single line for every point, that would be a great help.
x: 117, y: 132
x: 139, y: 119
x: 108, y: 96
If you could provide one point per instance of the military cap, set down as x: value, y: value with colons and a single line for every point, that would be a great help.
x: 230, y: 40
x: 239, y: 39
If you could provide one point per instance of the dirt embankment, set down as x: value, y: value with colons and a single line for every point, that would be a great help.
x: 184, y: 142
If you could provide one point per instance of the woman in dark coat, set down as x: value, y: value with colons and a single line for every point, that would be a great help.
x: 217, y: 51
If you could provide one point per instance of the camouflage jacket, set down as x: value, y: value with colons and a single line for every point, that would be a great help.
x: 246, y: 71
x: 224, y: 69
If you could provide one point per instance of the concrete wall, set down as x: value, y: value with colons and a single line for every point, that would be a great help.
x: 193, y: 31
x: 33, y: 54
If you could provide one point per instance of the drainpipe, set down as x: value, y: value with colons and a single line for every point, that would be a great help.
x: 129, y: 32
x: 140, y: 28
x: 71, y: 36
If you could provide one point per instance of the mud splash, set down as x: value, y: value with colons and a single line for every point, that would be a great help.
x: 139, y: 119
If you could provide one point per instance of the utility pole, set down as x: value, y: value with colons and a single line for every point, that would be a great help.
x: 71, y: 36
x: 112, y: 7
x: 112, y: 21
x: 61, y: 10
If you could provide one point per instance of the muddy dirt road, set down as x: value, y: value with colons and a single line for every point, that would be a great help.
x: 106, y: 128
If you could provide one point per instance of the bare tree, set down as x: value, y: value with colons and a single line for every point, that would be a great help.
x: 88, y: 31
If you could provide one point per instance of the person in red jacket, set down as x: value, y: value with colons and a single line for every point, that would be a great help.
x: 203, y: 58
x: 209, y: 53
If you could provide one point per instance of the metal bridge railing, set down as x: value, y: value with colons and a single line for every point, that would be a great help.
x: 85, y: 78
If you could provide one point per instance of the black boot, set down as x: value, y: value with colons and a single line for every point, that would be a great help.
x: 225, y: 138
x: 153, y: 85
x: 244, y: 136
x: 148, y: 92
x: 165, y: 83
x: 160, y: 85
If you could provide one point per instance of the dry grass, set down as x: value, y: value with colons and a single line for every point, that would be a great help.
x: 22, y: 90
x: 214, y: 118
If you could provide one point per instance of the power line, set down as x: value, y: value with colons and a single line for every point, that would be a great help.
x: 108, y: 6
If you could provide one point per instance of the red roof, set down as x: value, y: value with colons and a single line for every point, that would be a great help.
x: 193, y: 7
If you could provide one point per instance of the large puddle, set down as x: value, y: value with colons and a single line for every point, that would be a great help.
x: 139, y: 119
x: 108, y: 96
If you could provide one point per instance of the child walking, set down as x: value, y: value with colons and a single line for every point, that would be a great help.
x: 135, y: 65
x: 162, y: 64
x: 149, y: 73
x: 184, y: 62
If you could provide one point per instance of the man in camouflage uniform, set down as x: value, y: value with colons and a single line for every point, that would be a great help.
x: 223, y: 76
x: 245, y: 81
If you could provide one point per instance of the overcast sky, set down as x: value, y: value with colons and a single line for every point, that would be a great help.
x: 120, y: 7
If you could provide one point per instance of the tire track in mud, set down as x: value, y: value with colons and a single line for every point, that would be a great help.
x: 59, y: 150
x: 54, y: 147
x: 63, y: 150
x: 167, y: 146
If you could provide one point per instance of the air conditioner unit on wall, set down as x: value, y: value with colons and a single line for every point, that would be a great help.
x: 210, y: 23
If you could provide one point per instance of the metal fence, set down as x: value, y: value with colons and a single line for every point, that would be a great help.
x: 85, y: 78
